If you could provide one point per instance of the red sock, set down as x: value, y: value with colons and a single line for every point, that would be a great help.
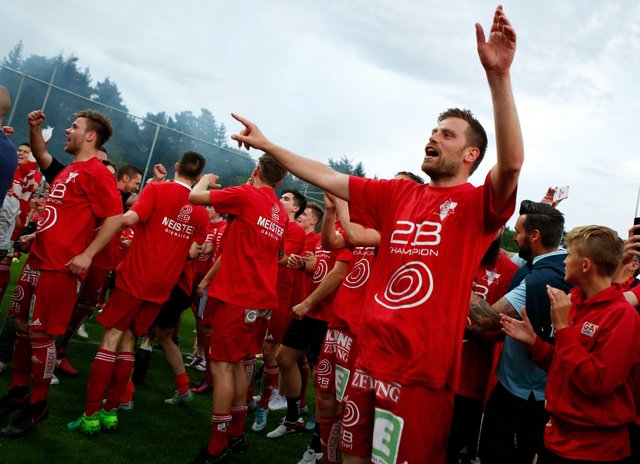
x: 219, y: 425
x: 182, y: 383
x: 238, y: 414
x: 304, y: 376
x: 43, y: 362
x: 5, y: 277
x: 119, y: 379
x: 128, y: 392
x: 99, y: 379
x: 250, y: 370
x: 330, y: 430
x: 269, y: 381
x: 21, y: 361
x: 81, y: 312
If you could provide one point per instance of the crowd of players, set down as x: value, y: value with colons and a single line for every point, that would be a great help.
x: 398, y: 308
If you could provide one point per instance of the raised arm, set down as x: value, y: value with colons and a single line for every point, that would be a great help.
x: 496, y: 56
x: 330, y: 240
x: 38, y: 145
x: 306, y: 169
x: 199, y: 195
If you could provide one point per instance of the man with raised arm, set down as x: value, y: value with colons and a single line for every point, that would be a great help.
x: 432, y: 239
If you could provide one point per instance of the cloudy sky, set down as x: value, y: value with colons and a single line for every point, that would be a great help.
x: 367, y: 78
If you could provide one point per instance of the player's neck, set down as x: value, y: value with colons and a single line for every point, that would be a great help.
x: 184, y: 180
x: 593, y: 284
x: 85, y: 154
x: 460, y: 179
x: 258, y: 183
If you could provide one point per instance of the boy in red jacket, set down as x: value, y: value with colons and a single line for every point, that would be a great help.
x: 589, y: 393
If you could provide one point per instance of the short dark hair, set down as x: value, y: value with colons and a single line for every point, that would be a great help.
x: 98, y: 123
x: 316, y: 209
x: 475, y: 134
x: 25, y: 144
x: 545, y: 218
x: 411, y: 176
x: 298, y: 199
x: 191, y: 165
x: 129, y: 170
x: 271, y: 172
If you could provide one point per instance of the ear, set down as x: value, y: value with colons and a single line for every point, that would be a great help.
x: 587, y: 265
x: 471, y: 154
x: 175, y: 167
x: 536, y: 235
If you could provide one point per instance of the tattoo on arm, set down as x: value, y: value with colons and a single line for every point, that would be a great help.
x: 488, y: 316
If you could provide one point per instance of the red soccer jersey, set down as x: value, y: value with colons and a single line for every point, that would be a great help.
x: 80, y: 194
x: 168, y: 225
x: 491, y: 283
x: 325, y: 260
x: 348, y: 307
x: 249, y: 259
x: 301, y: 279
x: 203, y: 263
x: 432, y: 240
x: 295, y: 238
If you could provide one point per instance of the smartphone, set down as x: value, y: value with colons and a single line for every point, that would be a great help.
x: 561, y: 193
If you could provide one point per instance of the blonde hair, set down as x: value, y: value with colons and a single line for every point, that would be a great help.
x: 598, y: 243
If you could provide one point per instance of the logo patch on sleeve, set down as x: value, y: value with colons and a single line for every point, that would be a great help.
x: 589, y: 329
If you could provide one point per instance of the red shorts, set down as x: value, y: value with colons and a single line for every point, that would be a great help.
x: 236, y: 332
x: 53, y: 302
x: 94, y: 283
x: 278, y: 325
x: 20, y: 305
x: 381, y: 421
x: 336, y: 362
x: 124, y: 311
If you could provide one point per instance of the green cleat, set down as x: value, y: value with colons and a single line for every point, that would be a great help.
x: 109, y: 420
x: 86, y: 424
x: 180, y: 399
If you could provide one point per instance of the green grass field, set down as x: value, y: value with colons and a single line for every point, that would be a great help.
x: 152, y: 433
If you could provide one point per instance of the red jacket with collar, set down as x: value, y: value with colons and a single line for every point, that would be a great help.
x: 589, y: 389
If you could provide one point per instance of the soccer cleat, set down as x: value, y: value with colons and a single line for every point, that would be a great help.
x: 304, y: 410
x: 28, y: 416
x: 310, y: 457
x: 287, y: 428
x: 204, y: 457
x: 128, y: 406
x: 180, y: 398
x: 277, y: 401
x: 82, y: 332
x: 260, y: 422
x: 65, y: 366
x: 12, y: 401
x: 108, y: 420
x: 55, y: 380
x: 201, y: 387
x: 238, y: 445
x: 311, y: 422
x: 86, y: 424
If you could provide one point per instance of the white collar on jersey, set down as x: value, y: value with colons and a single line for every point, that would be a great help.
x: 183, y: 184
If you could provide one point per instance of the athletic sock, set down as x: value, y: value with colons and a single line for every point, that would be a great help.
x: 238, y: 414
x: 219, y: 426
x: 315, y: 439
x: 250, y: 370
x: 182, y: 383
x: 269, y: 381
x: 119, y: 379
x: 99, y: 379
x: 293, y: 409
x: 304, y: 377
x: 128, y: 392
x: 330, y: 429
x: 43, y: 362
x: 21, y: 361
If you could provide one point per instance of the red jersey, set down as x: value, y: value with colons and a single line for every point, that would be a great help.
x: 348, y: 307
x: 203, y: 263
x: 432, y: 240
x: 249, y: 259
x: 325, y: 260
x: 107, y: 258
x: 491, y: 283
x: 167, y: 227
x: 302, y: 279
x: 589, y: 388
x: 295, y: 238
x: 26, y: 181
x: 80, y: 194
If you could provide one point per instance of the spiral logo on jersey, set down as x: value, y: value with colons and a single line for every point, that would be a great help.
x: 358, y: 275
x: 275, y: 213
x: 185, y: 213
x: 410, y: 286
x: 351, y: 415
x: 18, y: 293
x: 48, y: 219
x: 324, y: 367
x: 321, y: 270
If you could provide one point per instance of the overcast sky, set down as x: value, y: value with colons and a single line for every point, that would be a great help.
x: 367, y: 78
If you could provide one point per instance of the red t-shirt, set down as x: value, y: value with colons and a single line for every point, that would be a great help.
x: 168, y: 225
x: 203, y: 263
x: 249, y: 259
x: 491, y: 283
x: 80, y: 194
x: 302, y: 279
x: 348, y: 307
x: 325, y: 260
x: 295, y: 238
x: 432, y: 241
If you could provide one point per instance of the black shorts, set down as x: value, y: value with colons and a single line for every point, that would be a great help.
x: 306, y: 334
x: 172, y: 309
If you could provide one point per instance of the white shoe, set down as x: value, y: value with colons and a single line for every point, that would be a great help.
x: 54, y: 380
x: 82, y: 332
x: 310, y: 457
x: 287, y: 428
x: 277, y: 401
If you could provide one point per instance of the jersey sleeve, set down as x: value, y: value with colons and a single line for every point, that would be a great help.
x: 53, y: 170
x: 345, y: 254
x: 230, y: 200
x: 369, y: 200
x: 102, y: 193
x: 201, y: 234
x: 145, y: 203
